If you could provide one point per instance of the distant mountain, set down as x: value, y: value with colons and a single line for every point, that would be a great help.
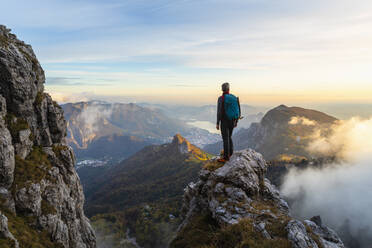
x: 207, y: 112
x: 97, y: 129
x: 149, y: 183
x: 283, y: 131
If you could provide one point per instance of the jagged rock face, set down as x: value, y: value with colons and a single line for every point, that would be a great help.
x: 239, y: 191
x: 38, y: 178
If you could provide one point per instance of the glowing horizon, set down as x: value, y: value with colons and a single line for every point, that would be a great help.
x: 272, y: 52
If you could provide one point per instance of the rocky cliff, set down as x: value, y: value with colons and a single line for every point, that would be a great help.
x: 236, y: 206
x: 41, y: 198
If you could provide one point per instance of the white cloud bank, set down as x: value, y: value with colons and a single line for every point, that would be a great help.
x: 342, y: 192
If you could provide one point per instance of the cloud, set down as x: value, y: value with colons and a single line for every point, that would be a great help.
x: 350, y: 140
x: 93, y: 117
x: 300, y: 120
x: 340, y: 193
x: 61, y: 97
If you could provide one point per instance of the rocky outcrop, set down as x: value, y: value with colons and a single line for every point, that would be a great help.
x: 38, y: 182
x: 238, y: 191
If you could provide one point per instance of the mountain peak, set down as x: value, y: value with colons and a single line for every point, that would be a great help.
x: 179, y: 139
x: 237, y: 199
x: 183, y: 144
x: 281, y: 107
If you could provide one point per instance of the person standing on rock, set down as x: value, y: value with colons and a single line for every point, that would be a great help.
x: 228, y: 114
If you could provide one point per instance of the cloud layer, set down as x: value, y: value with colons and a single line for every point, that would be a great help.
x: 340, y: 193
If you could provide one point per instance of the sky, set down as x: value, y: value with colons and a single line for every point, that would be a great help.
x: 181, y: 51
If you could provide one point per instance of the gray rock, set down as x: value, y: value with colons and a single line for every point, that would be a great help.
x: 238, y: 190
x: 328, y: 237
x: 298, y: 236
x: 7, y: 200
x: 4, y: 230
x: 6, y: 150
x: 54, y: 198
x: 24, y: 147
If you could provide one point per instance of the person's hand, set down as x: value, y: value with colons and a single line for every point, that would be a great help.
x: 218, y: 127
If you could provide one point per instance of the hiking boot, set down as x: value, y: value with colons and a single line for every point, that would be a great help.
x: 222, y: 160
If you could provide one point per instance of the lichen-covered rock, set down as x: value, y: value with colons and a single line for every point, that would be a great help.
x: 37, y: 175
x: 238, y: 191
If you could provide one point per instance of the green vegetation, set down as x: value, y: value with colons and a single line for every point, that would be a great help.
x: 6, y: 242
x: 146, y: 192
x: 4, y: 41
x: 314, y: 236
x: 39, y: 98
x: 15, y: 125
x: 109, y: 228
x: 204, y: 232
x: 56, y: 105
x: 213, y: 165
x: 28, y: 236
x: 32, y: 169
x: 47, y: 208
x: 57, y: 149
x: 150, y: 224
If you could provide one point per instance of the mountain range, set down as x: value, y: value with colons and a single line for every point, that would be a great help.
x: 99, y: 129
x: 207, y: 113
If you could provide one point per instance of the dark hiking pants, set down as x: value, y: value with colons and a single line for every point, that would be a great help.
x: 227, y: 128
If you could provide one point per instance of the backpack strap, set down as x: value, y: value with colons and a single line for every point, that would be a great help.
x: 240, y: 112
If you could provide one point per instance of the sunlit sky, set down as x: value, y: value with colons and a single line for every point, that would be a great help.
x: 271, y: 51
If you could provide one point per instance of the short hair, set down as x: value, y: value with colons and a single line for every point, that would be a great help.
x: 225, y: 87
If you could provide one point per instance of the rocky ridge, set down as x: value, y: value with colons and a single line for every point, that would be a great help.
x: 239, y: 193
x: 40, y: 192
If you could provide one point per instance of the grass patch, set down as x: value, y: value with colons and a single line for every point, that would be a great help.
x: 4, y: 41
x: 26, y: 234
x: 57, y: 149
x: 314, y: 236
x: 213, y: 165
x: 39, y: 98
x: 6, y: 242
x: 47, y: 208
x: 199, y: 232
x: 31, y: 170
x: 203, y: 232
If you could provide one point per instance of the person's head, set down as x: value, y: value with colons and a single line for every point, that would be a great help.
x: 225, y: 87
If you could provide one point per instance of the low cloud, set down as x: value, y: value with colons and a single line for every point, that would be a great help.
x: 93, y: 116
x: 300, y: 120
x: 340, y: 193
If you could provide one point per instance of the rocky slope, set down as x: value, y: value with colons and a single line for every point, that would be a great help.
x: 236, y: 206
x: 41, y: 198
x: 283, y: 131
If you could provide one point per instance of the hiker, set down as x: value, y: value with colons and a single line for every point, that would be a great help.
x: 228, y: 114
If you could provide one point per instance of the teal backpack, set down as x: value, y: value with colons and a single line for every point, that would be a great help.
x: 231, y: 106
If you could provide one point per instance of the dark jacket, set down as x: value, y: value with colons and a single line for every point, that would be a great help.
x: 220, y: 110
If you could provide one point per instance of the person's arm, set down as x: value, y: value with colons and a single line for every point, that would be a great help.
x: 219, y: 112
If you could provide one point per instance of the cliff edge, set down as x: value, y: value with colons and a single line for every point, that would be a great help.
x: 236, y: 206
x: 41, y: 198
